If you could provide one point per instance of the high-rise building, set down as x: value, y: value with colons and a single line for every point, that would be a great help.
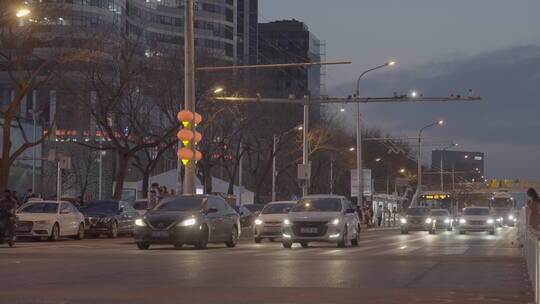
x: 247, y: 17
x: 289, y: 41
x: 470, y: 165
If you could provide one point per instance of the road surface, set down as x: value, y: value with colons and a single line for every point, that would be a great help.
x: 387, y: 267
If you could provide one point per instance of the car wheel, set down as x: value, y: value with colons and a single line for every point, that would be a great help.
x: 304, y: 244
x: 287, y: 245
x: 404, y: 231
x: 55, y: 233
x: 356, y: 240
x: 178, y: 245
x: 202, y: 243
x: 463, y: 232
x: 257, y: 240
x: 143, y: 246
x: 113, y: 230
x: 492, y: 232
x: 344, y: 238
x: 233, y: 239
x: 80, y: 232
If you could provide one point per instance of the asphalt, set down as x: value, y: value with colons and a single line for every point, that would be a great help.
x: 387, y: 267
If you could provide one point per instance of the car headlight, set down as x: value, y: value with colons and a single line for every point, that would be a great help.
x: 335, y: 222
x: 258, y: 222
x: 286, y: 222
x: 42, y: 222
x: 510, y: 217
x: 462, y: 221
x: 403, y: 220
x: 499, y: 219
x: 429, y: 220
x: 188, y: 222
x: 139, y: 222
x: 447, y: 221
x: 490, y: 221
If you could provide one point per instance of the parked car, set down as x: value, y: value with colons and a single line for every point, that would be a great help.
x: 109, y: 217
x: 246, y: 216
x: 50, y: 219
x: 477, y: 219
x: 268, y: 223
x: 442, y: 218
x: 141, y: 205
x: 417, y: 219
x: 189, y: 219
x: 321, y: 218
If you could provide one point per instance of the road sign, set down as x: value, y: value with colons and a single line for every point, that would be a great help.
x: 367, y: 182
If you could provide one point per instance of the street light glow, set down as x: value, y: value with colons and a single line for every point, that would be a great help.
x: 391, y: 63
x: 300, y: 128
x: 23, y: 12
x: 440, y: 122
x: 352, y: 149
x: 402, y: 171
x: 218, y: 90
x: 414, y: 94
x: 378, y: 159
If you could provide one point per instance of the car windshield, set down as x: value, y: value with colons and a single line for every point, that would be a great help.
x: 40, y: 208
x: 439, y: 213
x: 318, y: 205
x: 277, y: 208
x: 418, y: 211
x: 254, y: 207
x: 476, y: 211
x: 140, y: 205
x: 180, y: 203
x: 502, y: 203
x: 100, y: 207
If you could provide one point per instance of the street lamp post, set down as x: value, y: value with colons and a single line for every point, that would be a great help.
x: 419, y: 178
x: 359, y: 132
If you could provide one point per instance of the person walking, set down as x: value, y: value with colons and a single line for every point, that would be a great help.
x: 379, y: 216
x: 27, y: 195
x: 9, y: 206
x: 533, y: 208
x: 370, y: 216
x: 152, y: 199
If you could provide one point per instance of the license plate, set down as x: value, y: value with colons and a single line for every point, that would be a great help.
x: 160, y: 234
x: 23, y: 229
x: 309, y: 230
x: 274, y: 229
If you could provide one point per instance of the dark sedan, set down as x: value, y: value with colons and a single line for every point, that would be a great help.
x: 109, y: 217
x: 418, y: 219
x: 193, y: 220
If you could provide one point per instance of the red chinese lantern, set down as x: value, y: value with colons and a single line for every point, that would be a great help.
x: 198, y: 118
x: 186, y: 155
x: 185, y: 117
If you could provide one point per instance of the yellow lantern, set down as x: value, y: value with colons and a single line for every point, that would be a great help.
x: 185, y: 116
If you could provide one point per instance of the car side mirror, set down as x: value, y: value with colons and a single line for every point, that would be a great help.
x: 350, y: 211
x: 211, y: 210
x: 64, y: 211
x: 120, y: 211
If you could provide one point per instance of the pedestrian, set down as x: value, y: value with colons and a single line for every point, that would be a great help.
x: 15, y: 198
x: 371, y: 215
x: 27, y: 196
x: 152, y: 200
x: 360, y: 213
x: 9, y: 206
x: 173, y: 193
x: 379, y: 216
x: 533, y: 208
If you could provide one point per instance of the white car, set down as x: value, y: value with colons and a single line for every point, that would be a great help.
x: 51, y: 219
x: 476, y: 219
x: 268, y: 223
x: 321, y: 218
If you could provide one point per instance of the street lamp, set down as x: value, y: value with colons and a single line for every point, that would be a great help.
x: 274, y: 157
x: 359, y: 131
x: 419, y: 178
x: 23, y: 12
x: 218, y: 90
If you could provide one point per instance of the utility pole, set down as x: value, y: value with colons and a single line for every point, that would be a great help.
x: 240, y: 182
x: 274, y: 148
x: 332, y: 174
x: 305, y: 144
x: 189, y: 66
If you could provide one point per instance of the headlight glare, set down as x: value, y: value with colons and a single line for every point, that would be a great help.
x: 403, y: 220
x: 139, y: 222
x: 510, y: 217
x: 447, y: 220
x: 286, y: 222
x: 462, y: 221
x: 429, y: 220
x: 188, y: 222
x: 490, y: 221
x: 335, y: 222
x: 258, y: 222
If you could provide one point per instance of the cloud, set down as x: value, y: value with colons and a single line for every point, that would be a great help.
x: 507, y: 118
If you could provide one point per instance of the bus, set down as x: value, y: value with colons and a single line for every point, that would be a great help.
x: 438, y: 200
x: 503, y: 206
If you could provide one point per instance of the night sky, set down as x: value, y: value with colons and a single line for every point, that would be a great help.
x: 442, y: 47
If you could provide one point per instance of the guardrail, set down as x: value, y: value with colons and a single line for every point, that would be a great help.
x: 530, y: 239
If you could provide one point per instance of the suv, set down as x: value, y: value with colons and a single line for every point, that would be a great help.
x: 417, y: 219
x: 477, y: 219
x: 321, y: 218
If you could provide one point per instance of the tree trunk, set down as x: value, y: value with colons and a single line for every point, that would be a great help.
x: 4, y: 173
x: 121, y: 171
x: 146, y: 179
